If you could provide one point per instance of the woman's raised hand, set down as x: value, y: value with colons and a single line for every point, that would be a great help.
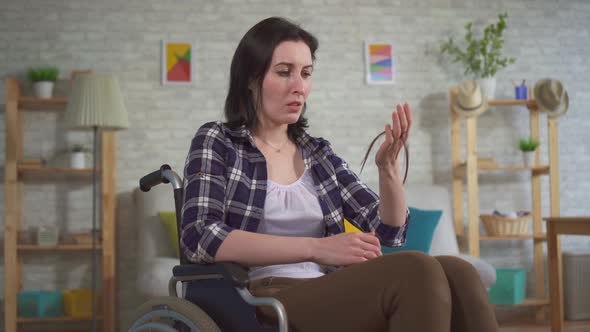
x: 346, y: 249
x: 396, y: 135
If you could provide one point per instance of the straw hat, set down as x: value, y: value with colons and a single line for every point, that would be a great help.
x: 551, y: 97
x: 470, y: 101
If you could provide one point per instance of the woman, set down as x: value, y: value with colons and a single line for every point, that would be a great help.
x: 261, y: 192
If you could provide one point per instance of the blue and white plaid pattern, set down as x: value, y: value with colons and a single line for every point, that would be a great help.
x: 225, y: 180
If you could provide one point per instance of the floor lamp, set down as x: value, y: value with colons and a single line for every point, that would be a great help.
x: 95, y: 103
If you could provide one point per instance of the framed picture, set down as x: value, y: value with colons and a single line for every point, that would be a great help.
x: 379, y: 63
x: 177, y: 63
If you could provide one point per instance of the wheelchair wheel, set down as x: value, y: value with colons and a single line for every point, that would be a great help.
x: 171, y: 314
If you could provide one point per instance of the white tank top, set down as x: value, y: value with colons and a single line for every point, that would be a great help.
x: 291, y: 210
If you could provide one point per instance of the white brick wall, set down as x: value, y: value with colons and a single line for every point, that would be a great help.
x: 548, y: 38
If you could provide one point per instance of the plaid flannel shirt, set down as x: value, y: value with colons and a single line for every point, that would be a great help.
x: 225, y: 179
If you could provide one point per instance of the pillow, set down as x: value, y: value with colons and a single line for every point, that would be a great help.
x: 419, y: 233
x: 168, y: 218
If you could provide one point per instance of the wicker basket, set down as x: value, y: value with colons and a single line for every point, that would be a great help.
x: 496, y: 225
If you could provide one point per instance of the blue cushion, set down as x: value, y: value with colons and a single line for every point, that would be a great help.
x: 420, y: 231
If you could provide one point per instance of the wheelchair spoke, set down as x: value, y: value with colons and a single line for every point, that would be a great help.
x: 154, y: 326
x: 171, y: 314
x: 164, y: 314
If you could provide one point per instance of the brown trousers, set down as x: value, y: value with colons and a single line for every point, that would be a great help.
x: 402, y: 292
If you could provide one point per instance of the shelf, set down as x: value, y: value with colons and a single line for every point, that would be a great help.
x: 16, y: 173
x: 466, y: 182
x: 33, y: 169
x: 39, y: 104
x: 72, y: 247
x: 530, y: 103
x: 528, y: 303
x: 540, y: 236
x: 55, y: 319
x: 536, y: 170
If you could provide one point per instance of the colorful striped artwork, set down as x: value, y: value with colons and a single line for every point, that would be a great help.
x: 177, y: 63
x: 379, y: 62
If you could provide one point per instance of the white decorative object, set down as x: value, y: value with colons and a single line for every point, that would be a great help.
x: 78, y: 160
x: 488, y: 87
x: 43, y: 89
x: 47, y: 235
x: 529, y: 158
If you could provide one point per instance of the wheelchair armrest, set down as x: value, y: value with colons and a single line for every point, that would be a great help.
x: 233, y: 272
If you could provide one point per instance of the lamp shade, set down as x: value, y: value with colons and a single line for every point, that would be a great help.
x: 96, y: 101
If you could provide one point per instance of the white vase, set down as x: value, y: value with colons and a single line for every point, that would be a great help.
x: 529, y: 158
x: 488, y: 87
x: 43, y: 89
x: 77, y: 160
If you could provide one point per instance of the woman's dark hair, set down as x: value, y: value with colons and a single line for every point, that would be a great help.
x: 250, y: 63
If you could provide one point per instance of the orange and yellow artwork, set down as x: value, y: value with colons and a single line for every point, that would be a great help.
x: 177, y: 63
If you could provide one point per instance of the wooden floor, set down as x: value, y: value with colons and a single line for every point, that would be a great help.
x: 573, y: 326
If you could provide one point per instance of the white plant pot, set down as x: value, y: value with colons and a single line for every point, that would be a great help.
x: 78, y: 160
x: 43, y: 89
x: 529, y: 158
x: 488, y: 87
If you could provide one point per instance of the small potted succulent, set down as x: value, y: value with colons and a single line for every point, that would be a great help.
x: 78, y: 156
x: 43, y: 79
x: 528, y: 146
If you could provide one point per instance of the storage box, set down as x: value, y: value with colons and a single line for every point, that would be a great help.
x: 77, y: 303
x: 510, y: 286
x: 576, y: 289
x: 39, y: 304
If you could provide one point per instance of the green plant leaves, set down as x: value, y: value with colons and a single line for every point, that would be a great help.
x: 43, y: 74
x: 481, y: 57
x: 528, y: 144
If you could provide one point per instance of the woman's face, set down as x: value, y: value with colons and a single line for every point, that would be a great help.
x: 286, y: 84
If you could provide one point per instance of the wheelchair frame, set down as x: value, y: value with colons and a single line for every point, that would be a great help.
x: 177, y: 309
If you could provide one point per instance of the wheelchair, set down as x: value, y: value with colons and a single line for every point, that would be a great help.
x: 215, y: 296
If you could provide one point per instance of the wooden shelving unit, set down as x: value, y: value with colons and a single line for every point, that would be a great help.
x: 468, y: 171
x: 461, y: 170
x: 515, y: 237
x: 529, y: 303
x: 26, y: 104
x: 61, y: 247
x: 55, y: 319
x: 17, y: 171
x: 24, y: 170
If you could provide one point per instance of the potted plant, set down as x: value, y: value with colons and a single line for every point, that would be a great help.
x: 78, y: 156
x: 528, y: 145
x: 482, y: 57
x: 43, y: 79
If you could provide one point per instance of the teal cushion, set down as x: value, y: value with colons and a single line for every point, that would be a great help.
x: 420, y: 231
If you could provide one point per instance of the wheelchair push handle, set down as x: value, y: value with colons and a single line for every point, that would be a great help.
x: 163, y: 175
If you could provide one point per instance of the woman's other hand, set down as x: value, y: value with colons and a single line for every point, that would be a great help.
x: 346, y: 249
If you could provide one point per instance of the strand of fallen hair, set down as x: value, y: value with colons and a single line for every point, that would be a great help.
x: 406, y: 152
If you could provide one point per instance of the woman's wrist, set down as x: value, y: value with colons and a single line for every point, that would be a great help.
x: 311, y: 248
x: 388, y: 174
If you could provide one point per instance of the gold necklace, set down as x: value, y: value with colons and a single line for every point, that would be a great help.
x: 276, y: 149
